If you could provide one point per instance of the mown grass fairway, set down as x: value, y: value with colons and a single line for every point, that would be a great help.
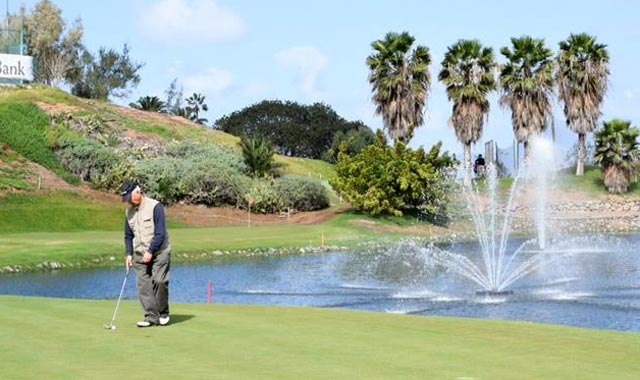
x: 65, y: 339
x: 82, y: 248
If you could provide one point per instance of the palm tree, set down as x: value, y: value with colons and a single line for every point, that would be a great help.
x: 526, y: 81
x: 196, y: 105
x: 149, y: 103
x: 583, y: 69
x: 400, y: 83
x: 468, y: 73
x: 617, y: 154
x: 259, y: 156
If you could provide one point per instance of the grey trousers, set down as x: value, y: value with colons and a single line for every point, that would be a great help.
x: 153, y: 285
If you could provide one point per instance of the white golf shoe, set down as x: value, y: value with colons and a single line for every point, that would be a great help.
x: 164, y: 320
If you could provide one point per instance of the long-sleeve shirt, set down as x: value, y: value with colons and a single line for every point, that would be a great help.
x: 159, y: 231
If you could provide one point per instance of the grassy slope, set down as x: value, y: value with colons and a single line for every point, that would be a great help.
x: 82, y: 248
x: 165, y: 129
x: 592, y: 183
x: 64, y: 339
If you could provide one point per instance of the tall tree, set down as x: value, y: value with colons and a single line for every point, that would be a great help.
x: 294, y: 129
x: 56, y: 49
x: 174, y: 99
x: 468, y: 73
x: 527, y: 83
x: 196, y: 104
x: 400, y: 81
x: 583, y: 69
x: 617, y: 153
x: 110, y: 74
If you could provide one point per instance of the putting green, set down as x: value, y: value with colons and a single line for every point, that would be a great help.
x: 65, y: 339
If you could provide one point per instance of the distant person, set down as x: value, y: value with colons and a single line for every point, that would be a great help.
x: 148, y: 250
x: 478, y: 166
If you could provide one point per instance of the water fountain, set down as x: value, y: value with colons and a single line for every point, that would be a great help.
x: 495, y: 272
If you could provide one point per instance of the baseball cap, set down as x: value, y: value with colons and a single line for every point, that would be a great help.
x: 127, y: 189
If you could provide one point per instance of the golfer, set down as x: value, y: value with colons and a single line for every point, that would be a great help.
x: 149, y: 251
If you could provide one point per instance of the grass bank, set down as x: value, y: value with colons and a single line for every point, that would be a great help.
x: 102, y: 248
x: 65, y: 339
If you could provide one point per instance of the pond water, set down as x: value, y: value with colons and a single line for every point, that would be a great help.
x: 597, y: 286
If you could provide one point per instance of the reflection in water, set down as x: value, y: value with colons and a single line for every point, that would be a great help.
x: 599, y: 288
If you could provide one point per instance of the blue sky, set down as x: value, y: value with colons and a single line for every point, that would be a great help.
x: 240, y: 52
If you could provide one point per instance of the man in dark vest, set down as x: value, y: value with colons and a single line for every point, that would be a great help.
x: 148, y: 250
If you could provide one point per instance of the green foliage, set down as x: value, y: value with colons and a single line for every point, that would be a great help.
x: 160, y: 178
x: 196, y: 180
x: 55, y: 48
x: 468, y: 73
x: 109, y: 74
x: 386, y: 180
x: 94, y: 163
x: 582, y: 80
x: 23, y: 128
x: 302, y: 194
x: 265, y: 198
x: 258, y: 155
x: 354, y: 140
x: 400, y: 81
x: 213, y: 185
x: 207, y: 153
x: 294, y: 129
x: 617, y: 154
x: 526, y: 81
x: 149, y: 103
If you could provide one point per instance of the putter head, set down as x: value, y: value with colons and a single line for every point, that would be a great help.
x: 110, y: 326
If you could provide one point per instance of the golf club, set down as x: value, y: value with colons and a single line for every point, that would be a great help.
x: 112, y: 326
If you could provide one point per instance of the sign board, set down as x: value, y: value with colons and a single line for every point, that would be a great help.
x: 14, y: 66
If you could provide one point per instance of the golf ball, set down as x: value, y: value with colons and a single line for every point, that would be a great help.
x: 113, y: 327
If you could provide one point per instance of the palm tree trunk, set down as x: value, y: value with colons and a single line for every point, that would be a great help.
x: 581, y: 152
x: 467, y: 164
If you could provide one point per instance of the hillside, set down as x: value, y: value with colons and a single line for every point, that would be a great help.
x: 32, y: 178
x: 31, y: 173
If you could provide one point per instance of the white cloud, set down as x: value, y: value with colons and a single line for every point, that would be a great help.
x: 211, y: 82
x: 308, y: 62
x: 628, y: 94
x: 189, y: 22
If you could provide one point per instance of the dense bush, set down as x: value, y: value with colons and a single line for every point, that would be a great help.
x: 198, y: 152
x: 92, y: 162
x: 213, y: 185
x: 395, y: 180
x: 266, y: 199
x: 161, y: 178
x: 302, y: 194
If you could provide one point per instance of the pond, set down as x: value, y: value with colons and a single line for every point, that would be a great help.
x: 593, y: 287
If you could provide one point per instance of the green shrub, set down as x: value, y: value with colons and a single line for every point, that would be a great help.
x: 91, y: 162
x: 161, y: 178
x: 197, y: 152
x: 214, y: 185
x: 266, y: 199
x: 302, y: 194
x: 394, y: 180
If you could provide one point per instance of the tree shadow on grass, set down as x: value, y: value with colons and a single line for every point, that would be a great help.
x: 179, y: 318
